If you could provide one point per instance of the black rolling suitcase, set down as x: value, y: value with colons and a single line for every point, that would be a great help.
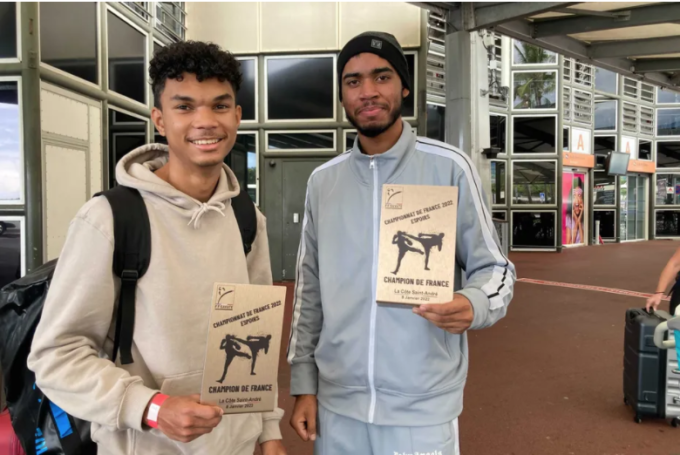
x: 645, y: 366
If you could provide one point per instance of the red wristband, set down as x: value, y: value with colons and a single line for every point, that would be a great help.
x: 154, y: 408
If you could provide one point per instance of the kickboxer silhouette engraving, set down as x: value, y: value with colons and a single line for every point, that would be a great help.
x: 404, y: 242
x: 232, y: 346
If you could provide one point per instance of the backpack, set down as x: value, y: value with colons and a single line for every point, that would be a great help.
x: 42, y: 427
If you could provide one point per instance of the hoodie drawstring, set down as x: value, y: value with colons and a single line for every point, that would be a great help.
x: 214, y: 206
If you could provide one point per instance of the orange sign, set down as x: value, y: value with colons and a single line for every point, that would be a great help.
x: 578, y: 160
x: 645, y: 167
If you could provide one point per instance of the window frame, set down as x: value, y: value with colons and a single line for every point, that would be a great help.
x: 512, y: 222
x: 147, y: 59
x: 616, y: 191
x: 664, y: 206
x: 344, y: 137
x: 512, y: 138
x: 506, y: 163
x: 267, y: 58
x: 663, y: 209
x: 414, y: 89
x: 558, y: 93
x: 657, y: 102
x: 22, y: 236
x: 334, y: 131
x: 607, y: 208
x: 616, y: 115
x: 112, y: 145
x: 100, y: 46
x: 655, y: 156
x: 257, y: 91
x: 163, y: 29
x: 598, y: 91
x: 652, y: 142
x: 22, y: 163
x: 507, y: 127
x: 131, y: 6
x: 656, y: 121
x: 512, y: 203
x: 255, y: 133
x: 531, y: 65
x: 17, y: 18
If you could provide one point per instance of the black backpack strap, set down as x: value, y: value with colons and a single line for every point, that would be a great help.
x: 244, y: 211
x: 131, y: 257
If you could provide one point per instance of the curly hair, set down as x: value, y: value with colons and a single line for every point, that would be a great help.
x: 205, y: 60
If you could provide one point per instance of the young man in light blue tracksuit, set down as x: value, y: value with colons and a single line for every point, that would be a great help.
x: 385, y: 380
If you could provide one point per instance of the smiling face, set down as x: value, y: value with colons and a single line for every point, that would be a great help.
x: 578, y: 205
x: 372, y: 94
x: 199, y: 119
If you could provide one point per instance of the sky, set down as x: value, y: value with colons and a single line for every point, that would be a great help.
x: 10, y: 163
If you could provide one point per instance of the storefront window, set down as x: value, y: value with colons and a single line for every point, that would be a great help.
x: 667, y: 223
x: 533, y: 182
x: 668, y: 189
x: 604, y: 190
x: 607, y: 219
x: 533, y: 230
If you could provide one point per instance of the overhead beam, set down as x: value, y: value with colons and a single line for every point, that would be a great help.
x: 585, y: 12
x: 646, y: 15
x: 488, y: 16
x: 430, y: 7
x: 569, y: 47
x: 654, y: 65
x: 635, y: 48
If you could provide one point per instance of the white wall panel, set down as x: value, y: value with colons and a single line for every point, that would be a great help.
x: 63, y: 116
x: 65, y: 192
x: 400, y: 19
x: 288, y: 26
x: 234, y: 26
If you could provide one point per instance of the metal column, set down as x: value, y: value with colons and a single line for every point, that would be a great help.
x: 467, y: 102
x: 30, y: 106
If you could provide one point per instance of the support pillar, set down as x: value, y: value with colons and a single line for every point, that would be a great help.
x: 30, y: 107
x: 467, y: 101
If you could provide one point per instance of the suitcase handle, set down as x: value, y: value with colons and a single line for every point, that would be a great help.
x: 660, y: 334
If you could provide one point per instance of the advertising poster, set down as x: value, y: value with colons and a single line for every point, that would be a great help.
x: 573, y: 209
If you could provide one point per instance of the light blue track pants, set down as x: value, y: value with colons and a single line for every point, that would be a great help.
x: 339, y: 435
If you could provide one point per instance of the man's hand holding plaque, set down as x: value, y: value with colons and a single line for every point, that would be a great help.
x: 454, y: 317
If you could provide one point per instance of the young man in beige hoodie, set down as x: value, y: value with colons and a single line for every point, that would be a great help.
x: 195, y: 242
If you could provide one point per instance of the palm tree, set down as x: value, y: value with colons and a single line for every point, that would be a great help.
x: 530, y: 87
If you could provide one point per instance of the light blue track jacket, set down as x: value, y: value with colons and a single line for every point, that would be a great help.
x: 384, y: 364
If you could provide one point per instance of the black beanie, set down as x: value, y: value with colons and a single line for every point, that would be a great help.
x: 381, y: 44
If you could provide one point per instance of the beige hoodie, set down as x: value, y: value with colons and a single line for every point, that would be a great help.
x: 193, y: 245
